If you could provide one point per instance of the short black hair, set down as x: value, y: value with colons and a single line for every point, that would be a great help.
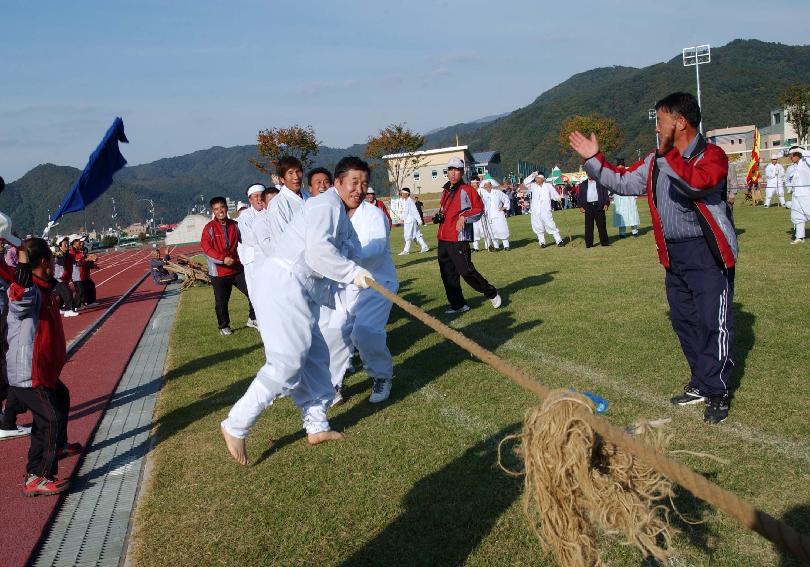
x: 216, y: 200
x: 683, y: 104
x: 287, y: 163
x: 315, y: 172
x: 269, y: 191
x: 350, y: 163
x: 474, y: 178
x: 620, y: 161
x: 36, y: 249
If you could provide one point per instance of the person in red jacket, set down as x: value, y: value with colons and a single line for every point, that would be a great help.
x: 35, y: 358
x: 63, y: 272
x: 371, y: 197
x: 218, y: 241
x: 460, y: 207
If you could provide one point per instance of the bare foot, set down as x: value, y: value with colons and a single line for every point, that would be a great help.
x: 315, y: 438
x: 236, y: 447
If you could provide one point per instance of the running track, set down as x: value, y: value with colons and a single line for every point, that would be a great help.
x: 91, y: 374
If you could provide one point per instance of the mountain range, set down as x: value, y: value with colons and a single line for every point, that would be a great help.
x: 740, y: 86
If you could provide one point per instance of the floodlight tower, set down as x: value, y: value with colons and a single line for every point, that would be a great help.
x: 652, y: 114
x: 697, y: 56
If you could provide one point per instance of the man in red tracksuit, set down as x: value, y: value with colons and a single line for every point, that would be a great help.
x: 461, y: 206
x: 35, y: 358
x: 218, y: 241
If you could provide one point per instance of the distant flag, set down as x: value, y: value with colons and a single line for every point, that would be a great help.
x: 753, y: 177
x: 97, y: 175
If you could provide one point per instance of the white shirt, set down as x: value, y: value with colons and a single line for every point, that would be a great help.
x: 798, y: 176
x: 593, y: 194
x: 273, y: 221
x: 409, y: 212
x: 372, y: 230
x: 248, y: 246
x: 541, y: 196
x: 314, y: 246
x: 774, y: 171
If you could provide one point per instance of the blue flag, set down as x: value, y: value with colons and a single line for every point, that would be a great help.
x: 97, y: 175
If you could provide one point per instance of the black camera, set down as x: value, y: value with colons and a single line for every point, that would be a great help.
x: 438, y: 218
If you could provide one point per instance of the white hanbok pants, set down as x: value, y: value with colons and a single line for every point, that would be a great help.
x: 770, y: 189
x: 542, y: 223
x: 296, y: 355
x: 413, y: 232
x: 800, y: 214
x: 363, y: 328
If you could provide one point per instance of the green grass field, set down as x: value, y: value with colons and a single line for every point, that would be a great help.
x: 416, y: 481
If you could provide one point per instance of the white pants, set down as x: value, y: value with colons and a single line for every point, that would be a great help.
x: 799, y: 214
x: 364, y: 329
x: 296, y: 355
x: 413, y: 232
x: 772, y: 189
x: 505, y: 242
x: 543, y: 222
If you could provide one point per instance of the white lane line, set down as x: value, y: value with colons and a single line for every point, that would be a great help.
x: 98, y: 285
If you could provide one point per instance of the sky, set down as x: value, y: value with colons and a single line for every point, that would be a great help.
x: 188, y: 75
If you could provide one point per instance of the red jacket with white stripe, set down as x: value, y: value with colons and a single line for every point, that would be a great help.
x: 217, y: 242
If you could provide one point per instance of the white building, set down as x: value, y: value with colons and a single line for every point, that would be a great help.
x: 431, y: 172
x: 779, y: 135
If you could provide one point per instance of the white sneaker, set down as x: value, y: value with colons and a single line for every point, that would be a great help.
x: 423, y: 250
x: 496, y: 301
x: 463, y: 309
x: 71, y: 313
x: 12, y: 433
x: 380, y: 390
x: 798, y: 241
x: 252, y: 324
x: 403, y: 253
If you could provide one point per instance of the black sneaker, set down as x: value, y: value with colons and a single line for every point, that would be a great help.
x: 716, y: 409
x: 690, y: 396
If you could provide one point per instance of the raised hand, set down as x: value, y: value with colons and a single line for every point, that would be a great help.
x: 585, y: 147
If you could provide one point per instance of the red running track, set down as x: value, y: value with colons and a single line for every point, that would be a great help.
x: 92, y: 374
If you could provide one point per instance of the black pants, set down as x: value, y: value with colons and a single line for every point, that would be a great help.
x: 78, y: 294
x: 700, y: 295
x: 50, y: 407
x: 89, y: 288
x: 455, y: 263
x: 222, y: 295
x: 62, y: 291
x: 593, y: 212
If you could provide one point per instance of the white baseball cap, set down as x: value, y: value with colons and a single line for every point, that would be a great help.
x: 455, y: 162
x: 370, y: 190
x: 5, y: 231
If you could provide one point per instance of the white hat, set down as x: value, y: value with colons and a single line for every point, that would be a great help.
x: 455, y: 162
x: 539, y: 175
x: 83, y: 237
x: 5, y: 231
x: 255, y: 188
x: 406, y: 190
x: 74, y: 237
x: 65, y: 237
x: 370, y: 190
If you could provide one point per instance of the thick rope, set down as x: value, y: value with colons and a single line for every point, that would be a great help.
x: 776, y: 531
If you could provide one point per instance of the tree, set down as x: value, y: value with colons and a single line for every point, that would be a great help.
x: 606, y: 129
x: 275, y: 143
x: 397, y: 139
x: 796, y: 101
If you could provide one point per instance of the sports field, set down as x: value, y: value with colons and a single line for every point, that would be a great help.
x: 416, y: 481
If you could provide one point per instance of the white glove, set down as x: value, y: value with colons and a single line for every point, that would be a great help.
x: 362, y: 278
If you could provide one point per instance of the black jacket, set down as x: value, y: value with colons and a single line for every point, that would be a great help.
x: 582, y: 194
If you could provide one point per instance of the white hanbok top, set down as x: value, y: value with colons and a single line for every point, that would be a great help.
x: 774, y: 174
x: 409, y: 212
x: 248, y: 246
x: 496, y: 203
x: 541, y: 195
x: 798, y: 176
x: 271, y: 224
x: 316, y: 246
x: 372, y: 230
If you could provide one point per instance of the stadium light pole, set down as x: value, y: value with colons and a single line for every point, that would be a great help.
x: 653, y: 115
x: 696, y: 56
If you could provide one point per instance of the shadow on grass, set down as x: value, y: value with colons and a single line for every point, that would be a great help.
x: 744, y: 339
x: 689, y: 517
x: 447, y: 513
x: 798, y: 518
x: 421, y: 260
x: 207, y: 361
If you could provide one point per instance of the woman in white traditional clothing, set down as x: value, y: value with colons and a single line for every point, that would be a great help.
x: 496, y: 203
x: 798, y: 182
x: 625, y: 211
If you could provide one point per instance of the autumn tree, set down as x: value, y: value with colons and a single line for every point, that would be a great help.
x: 606, y: 129
x: 275, y: 143
x: 796, y: 101
x: 397, y: 139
